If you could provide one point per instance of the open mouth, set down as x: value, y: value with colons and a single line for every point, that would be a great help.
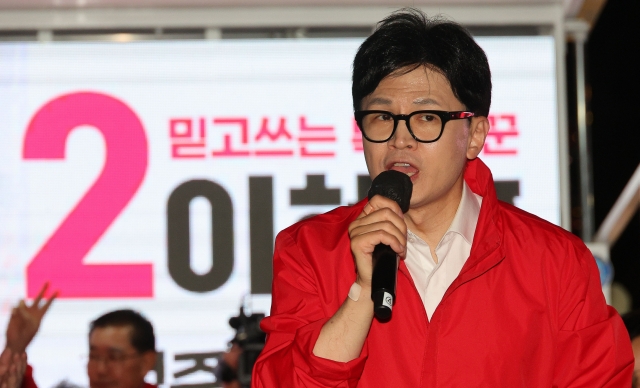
x: 403, y: 167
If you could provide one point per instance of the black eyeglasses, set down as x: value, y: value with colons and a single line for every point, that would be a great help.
x: 426, y: 126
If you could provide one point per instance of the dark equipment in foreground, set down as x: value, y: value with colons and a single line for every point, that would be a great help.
x: 251, y: 341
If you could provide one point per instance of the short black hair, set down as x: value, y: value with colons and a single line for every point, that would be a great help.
x: 408, y: 39
x: 142, y: 337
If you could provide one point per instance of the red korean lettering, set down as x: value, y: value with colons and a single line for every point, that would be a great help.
x: 314, y: 135
x: 356, y: 138
x: 503, y: 127
x: 281, y: 137
x: 187, y: 142
x: 228, y: 149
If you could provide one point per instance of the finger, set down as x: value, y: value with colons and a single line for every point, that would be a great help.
x: 382, y: 215
x: 366, y: 210
x: 380, y: 202
x: 368, y: 236
x: 23, y: 310
x: 36, y: 302
x: 20, y: 360
x: 23, y: 364
x: 46, y: 306
x: 12, y: 367
x: 385, y: 219
x: 23, y: 313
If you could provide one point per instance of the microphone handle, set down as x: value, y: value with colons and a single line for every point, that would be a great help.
x: 383, y: 281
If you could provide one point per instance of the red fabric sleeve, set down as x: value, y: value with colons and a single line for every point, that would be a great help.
x: 27, y: 380
x: 297, y: 316
x: 594, y: 349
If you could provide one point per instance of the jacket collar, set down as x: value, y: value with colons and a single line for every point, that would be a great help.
x: 487, y: 249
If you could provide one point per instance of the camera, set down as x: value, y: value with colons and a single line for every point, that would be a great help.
x: 246, y: 346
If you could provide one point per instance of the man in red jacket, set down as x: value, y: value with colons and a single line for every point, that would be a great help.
x: 487, y: 294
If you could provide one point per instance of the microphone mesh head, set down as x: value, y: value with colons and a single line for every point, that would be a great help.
x: 393, y: 185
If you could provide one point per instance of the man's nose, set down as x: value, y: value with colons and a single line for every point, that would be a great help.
x: 100, y: 366
x: 402, y: 137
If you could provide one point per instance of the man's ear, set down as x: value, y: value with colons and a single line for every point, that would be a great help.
x: 149, y: 361
x: 478, y: 130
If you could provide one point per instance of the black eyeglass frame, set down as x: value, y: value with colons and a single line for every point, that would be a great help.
x: 445, y: 117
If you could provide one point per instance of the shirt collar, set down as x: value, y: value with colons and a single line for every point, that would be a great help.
x: 466, y: 218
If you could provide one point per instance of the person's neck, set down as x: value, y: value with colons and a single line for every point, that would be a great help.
x: 431, y: 221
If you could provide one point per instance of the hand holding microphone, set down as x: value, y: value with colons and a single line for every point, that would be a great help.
x: 398, y: 187
x: 378, y: 236
x: 380, y: 223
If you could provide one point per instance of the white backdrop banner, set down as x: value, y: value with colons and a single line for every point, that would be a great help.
x: 155, y: 176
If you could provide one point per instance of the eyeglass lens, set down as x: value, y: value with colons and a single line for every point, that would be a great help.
x: 379, y: 126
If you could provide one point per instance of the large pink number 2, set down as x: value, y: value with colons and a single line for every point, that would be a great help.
x: 60, y: 260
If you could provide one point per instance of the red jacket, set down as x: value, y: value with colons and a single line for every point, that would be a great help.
x: 526, y: 310
x: 27, y: 379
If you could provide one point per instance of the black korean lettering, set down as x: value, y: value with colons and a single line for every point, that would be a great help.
x: 261, y: 233
x: 179, y: 250
x: 316, y: 193
x: 507, y: 190
x: 198, y: 365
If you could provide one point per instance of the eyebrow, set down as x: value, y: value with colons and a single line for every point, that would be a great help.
x: 417, y: 101
x: 379, y: 101
x: 425, y: 101
x: 110, y: 349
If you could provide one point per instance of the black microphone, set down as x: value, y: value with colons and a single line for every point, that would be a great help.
x: 398, y: 187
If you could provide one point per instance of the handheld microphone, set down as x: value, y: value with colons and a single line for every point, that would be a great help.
x: 398, y: 187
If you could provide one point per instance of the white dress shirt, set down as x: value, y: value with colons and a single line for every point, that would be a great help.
x: 430, y: 278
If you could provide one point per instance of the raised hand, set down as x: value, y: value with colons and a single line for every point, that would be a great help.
x: 25, y: 321
x: 12, y: 367
x: 381, y: 221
